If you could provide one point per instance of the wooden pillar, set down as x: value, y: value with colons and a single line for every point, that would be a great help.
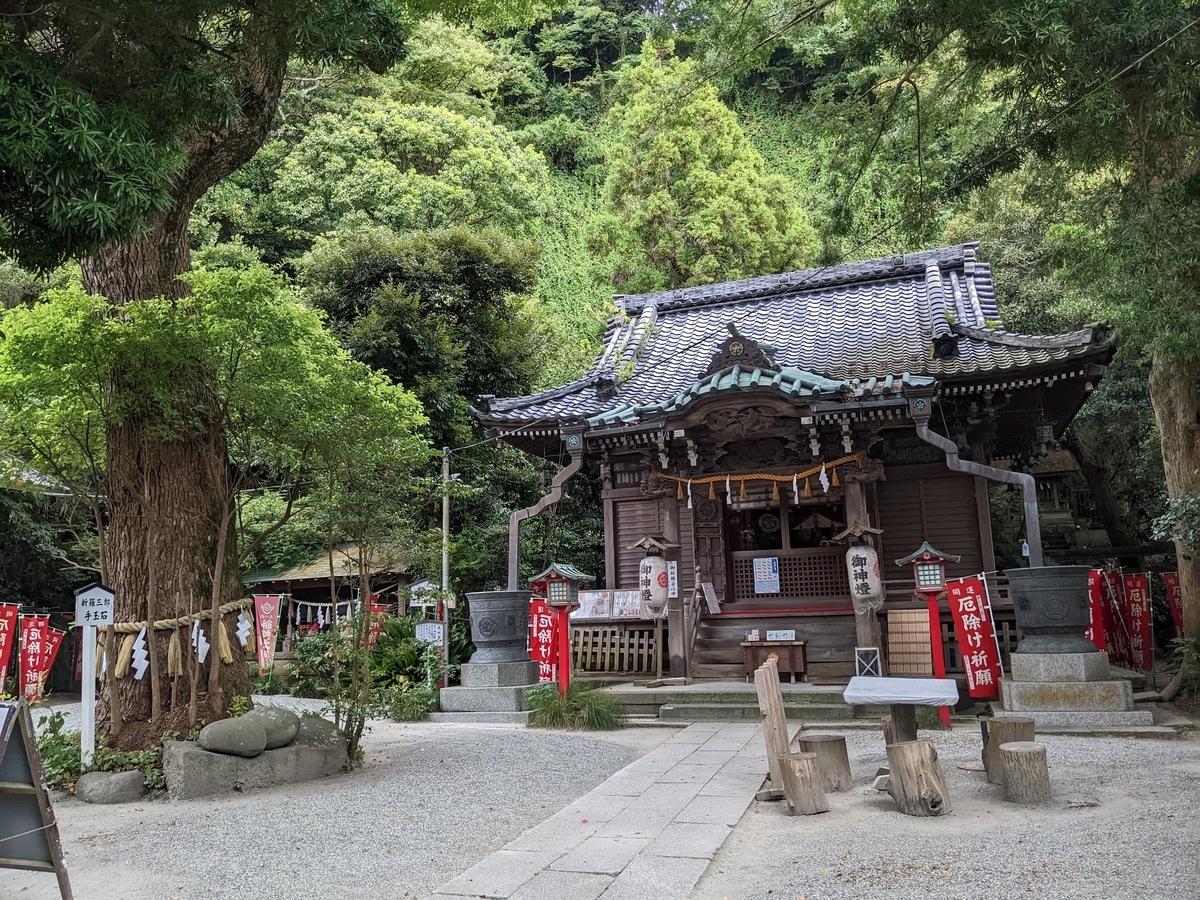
x: 866, y: 626
x: 904, y: 723
x: 676, y: 633
x: 775, y: 730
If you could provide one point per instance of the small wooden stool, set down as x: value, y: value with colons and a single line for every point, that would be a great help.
x: 1025, y: 772
x: 833, y: 762
x: 802, y: 784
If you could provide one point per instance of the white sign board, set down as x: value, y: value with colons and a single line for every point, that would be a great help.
x: 788, y: 635
x: 431, y: 633
x: 672, y: 579
x: 710, y: 597
x: 593, y: 605
x: 94, y: 606
x: 766, y: 575
x: 627, y: 605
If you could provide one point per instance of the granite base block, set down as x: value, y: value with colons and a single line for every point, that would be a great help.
x: 1083, y: 719
x: 509, y: 674
x: 485, y: 699
x: 1066, y: 696
x: 1055, y: 667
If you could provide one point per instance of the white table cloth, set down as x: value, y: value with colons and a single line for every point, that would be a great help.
x: 915, y: 691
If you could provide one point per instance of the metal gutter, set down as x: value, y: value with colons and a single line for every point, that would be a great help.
x: 920, y: 407
x: 573, y: 441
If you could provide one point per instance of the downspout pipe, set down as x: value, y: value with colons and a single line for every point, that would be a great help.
x: 920, y: 407
x: 573, y: 441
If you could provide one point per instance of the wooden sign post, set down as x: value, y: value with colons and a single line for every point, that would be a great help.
x: 28, y: 830
x: 93, y: 607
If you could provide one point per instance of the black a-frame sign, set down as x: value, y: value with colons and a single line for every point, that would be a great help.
x: 28, y: 830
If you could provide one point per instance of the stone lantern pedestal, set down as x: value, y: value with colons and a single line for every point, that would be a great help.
x: 1059, y: 678
x: 495, y: 681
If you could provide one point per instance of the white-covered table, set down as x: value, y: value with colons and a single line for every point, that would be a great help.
x: 903, y: 695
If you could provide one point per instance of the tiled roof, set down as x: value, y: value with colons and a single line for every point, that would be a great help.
x: 932, y: 314
x: 792, y: 383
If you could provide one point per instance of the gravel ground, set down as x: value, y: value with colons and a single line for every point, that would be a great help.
x: 428, y: 802
x: 1123, y: 824
x: 431, y: 800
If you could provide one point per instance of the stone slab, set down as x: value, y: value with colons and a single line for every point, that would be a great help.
x: 499, y: 876
x: 714, y: 810
x: 1101, y: 719
x: 689, y: 839
x: 601, y: 855
x: 1054, y: 667
x: 563, y: 886
x: 658, y: 877
x: 485, y: 699
x: 506, y: 674
x: 1066, y: 696
x: 193, y: 772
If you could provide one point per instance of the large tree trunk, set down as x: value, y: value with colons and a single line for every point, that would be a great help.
x: 1173, y: 391
x: 165, y: 483
x: 1096, y: 472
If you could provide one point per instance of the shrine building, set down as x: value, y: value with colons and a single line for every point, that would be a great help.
x: 768, y: 418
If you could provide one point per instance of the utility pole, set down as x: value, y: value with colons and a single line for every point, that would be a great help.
x: 444, y: 604
x: 445, y: 518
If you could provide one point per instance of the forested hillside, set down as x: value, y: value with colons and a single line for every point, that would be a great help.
x: 458, y: 194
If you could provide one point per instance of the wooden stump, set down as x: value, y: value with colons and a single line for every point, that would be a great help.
x: 802, y: 784
x: 889, y: 730
x: 775, y: 730
x: 833, y: 762
x: 917, y: 784
x: 1026, y: 777
x: 1002, y: 731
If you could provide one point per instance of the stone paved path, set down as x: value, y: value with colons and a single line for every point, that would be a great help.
x: 648, y: 831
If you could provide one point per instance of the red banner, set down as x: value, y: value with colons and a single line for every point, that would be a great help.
x: 543, y: 639
x: 378, y: 617
x: 976, y: 635
x: 1174, y: 598
x: 35, y: 652
x: 266, y: 622
x: 8, y: 636
x: 1141, y: 641
x: 1095, y: 630
x: 1116, y: 620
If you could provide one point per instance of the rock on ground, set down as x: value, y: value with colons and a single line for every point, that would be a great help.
x: 192, y: 771
x: 111, y: 787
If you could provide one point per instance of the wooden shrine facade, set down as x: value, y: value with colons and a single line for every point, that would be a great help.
x: 758, y: 421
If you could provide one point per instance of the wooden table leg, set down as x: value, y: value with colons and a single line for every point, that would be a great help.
x: 904, y: 720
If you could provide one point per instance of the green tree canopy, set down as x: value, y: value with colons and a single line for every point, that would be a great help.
x: 444, y: 313
x: 689, y: 200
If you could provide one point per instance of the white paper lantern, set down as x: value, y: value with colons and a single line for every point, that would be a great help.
x: 866, y: 585
x: 652, y: 582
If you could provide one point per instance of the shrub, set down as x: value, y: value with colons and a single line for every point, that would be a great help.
x: 582, y: 709
x: 61, y: 758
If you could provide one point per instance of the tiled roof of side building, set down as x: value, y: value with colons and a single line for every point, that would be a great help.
x: 932, y: 313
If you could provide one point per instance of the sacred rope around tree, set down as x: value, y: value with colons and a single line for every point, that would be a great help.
x: 179, y: 622
x: 712, y: 480
x: 174, y: 646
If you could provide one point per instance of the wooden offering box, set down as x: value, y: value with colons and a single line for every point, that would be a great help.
x: 789, y: 656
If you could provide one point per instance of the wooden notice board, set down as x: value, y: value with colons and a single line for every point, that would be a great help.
x: 28, y: 830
